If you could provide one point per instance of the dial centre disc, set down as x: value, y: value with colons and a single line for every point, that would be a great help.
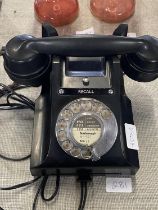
x: 86, y: 130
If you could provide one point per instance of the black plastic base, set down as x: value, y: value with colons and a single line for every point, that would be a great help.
x: 92, y: 171
x: 47, y: 156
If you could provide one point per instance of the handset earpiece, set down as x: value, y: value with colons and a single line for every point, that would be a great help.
x: 26, y: 66
x: 142, y: 66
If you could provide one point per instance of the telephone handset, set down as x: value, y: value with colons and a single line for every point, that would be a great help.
x: 26, y: 59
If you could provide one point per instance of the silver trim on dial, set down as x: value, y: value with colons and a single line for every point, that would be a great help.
x: 99, y: 135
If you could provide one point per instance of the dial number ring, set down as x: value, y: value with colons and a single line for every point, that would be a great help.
x: 84, y: 129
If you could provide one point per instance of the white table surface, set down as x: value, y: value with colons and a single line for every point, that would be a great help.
x: 17, y: 17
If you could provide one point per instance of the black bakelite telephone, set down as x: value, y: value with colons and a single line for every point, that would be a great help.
x: 80, y: 116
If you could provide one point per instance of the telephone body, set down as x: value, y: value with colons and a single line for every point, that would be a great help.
x: 80, y: 115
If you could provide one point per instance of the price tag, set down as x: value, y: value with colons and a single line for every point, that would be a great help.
x: 118, y: 185
x: 131, y: 136
x: 87, y: 31
x: 132, y: 35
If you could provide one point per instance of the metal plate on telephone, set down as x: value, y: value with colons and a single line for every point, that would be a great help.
x: 86, y: 73
x: 86, y: 129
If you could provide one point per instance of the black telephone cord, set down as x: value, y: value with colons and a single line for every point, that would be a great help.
x: 41, y: 190
x: 21, y: 102
x: 24, y: 184
x: 14, y: 187
x: 83, y: 195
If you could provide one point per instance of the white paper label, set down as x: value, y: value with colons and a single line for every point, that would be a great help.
x: 131, y: 136
x: 87, y: 31
x: 118, y: 185
x: 132, y: 35
x: 86, y: 130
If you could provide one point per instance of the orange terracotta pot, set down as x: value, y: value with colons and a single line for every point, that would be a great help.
x: 56, y: 12
x: 112, y: 11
